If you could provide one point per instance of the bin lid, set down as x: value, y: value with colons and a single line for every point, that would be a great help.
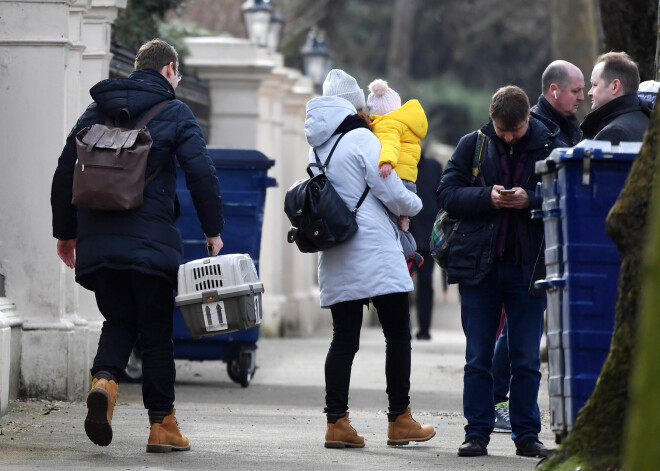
x: 589, y: 149
x: 244, y: 158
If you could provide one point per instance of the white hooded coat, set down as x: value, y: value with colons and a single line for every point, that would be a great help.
x: 371, y: 263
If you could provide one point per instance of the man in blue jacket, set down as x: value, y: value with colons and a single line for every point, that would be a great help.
x: 130, y: 258
x: 492, y: 258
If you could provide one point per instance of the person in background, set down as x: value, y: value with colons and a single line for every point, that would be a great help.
x: 562, y: 88
x: 492, y: 258
x: 618, y: 114
x: 130, y: 259
x: 367, y: 268
x: 429, y: 172
x: 648, y: 90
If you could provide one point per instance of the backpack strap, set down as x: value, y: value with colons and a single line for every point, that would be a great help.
x: 148, y: 116
x: 323, y: 166
x: 478, y: 158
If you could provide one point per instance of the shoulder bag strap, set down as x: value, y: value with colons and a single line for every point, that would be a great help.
x: 478, y: 158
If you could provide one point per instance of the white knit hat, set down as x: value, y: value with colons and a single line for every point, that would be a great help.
x: 339, y: 83
x: 382, y: 99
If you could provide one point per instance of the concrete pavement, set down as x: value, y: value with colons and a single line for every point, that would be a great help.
x: 277, y: 422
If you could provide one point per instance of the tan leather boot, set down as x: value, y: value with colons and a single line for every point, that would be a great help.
x: 100, y: 406
x: 167, y: 437
x: 341, y: 434
x: 405, y: 429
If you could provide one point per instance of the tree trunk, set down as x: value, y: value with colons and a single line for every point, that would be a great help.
x: 574, y: 36
x: 596, y: 441
x: 643, y: 427
x: 400, y: 45
x: 657, y: 49
x: 631, y: 26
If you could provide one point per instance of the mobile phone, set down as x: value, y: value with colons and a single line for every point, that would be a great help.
x: 507, y: 192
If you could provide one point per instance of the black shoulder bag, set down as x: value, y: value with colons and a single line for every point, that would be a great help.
x: 319, y: 217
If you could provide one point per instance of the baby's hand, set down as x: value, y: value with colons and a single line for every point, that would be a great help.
x: 404, y: 223
x: 385, y: 170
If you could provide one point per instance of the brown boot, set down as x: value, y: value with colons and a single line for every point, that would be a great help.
x: 100, y: 405
x: 405, y: 429
x: 342, y: 435
x: 166, y: 436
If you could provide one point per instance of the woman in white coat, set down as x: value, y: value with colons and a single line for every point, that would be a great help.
x: 369, y: 267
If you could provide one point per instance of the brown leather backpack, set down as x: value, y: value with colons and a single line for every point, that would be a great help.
x: 112, y: 161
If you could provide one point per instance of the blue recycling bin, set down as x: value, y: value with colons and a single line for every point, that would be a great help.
x: 243, y: 183
x: 579, y: 187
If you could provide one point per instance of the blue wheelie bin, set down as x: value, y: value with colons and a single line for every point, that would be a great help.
x: 579, y: 187
x: 243, y: 182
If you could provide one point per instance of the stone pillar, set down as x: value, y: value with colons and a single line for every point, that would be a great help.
x: 302, y: 309
x: 40, y: 69
x: 235, y: 69
x: 270, y: 142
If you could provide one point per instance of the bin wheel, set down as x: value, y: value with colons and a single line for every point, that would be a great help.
x: 241, y: 369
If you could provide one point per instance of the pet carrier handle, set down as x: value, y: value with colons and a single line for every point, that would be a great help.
x: 209, y: 249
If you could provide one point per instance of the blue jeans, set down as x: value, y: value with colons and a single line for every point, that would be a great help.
x: 501, y: 367
x: 481, y: 308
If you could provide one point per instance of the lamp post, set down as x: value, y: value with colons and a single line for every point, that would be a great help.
x: 274, y: 32
x: 257, y: 17
x: 316, y: 60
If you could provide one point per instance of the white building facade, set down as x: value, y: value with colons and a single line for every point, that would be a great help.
x: 51, y: 53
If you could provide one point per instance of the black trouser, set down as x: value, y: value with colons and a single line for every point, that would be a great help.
x: 394, y: 317
x: 425, y: 291
x: 132, y: 303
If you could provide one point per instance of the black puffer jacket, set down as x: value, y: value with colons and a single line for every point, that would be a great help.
x: 622, y: 119
x: 145, y: 239
x: 569, y: 127
x: 471, y: 255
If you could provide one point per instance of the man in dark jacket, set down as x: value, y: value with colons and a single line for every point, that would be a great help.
x: 429, y: 172
x: 492, y: 258
x: 562, y: 87
x: 130, y: 258
x: 618, y: 113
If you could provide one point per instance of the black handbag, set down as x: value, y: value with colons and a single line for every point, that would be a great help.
x: 319, y: 217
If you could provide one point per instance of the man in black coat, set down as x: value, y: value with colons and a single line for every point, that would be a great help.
x: 618, y: 113
x: 492, y: 257
x: 562, y: 87
x: 429, y: 172
x: 130, y: 258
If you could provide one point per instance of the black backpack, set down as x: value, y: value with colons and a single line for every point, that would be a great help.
x: 320, y: 219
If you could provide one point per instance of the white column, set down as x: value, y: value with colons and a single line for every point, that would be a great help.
x: 40, y: 72
x: 271, y: 122
x: 302, y: 309
x: 234, y: 69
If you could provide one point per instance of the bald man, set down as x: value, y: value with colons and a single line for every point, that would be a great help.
x: 562, y: 88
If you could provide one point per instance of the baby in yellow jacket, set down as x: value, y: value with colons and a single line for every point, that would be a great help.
x: 400, y: 130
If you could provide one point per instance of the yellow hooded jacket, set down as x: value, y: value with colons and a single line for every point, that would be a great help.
x: 400, y: 133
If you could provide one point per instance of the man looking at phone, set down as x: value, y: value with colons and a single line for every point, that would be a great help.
x: 492, y: 259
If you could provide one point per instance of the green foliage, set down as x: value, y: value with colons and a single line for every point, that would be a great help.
x: 452, y: 109
x: 139, y: 22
